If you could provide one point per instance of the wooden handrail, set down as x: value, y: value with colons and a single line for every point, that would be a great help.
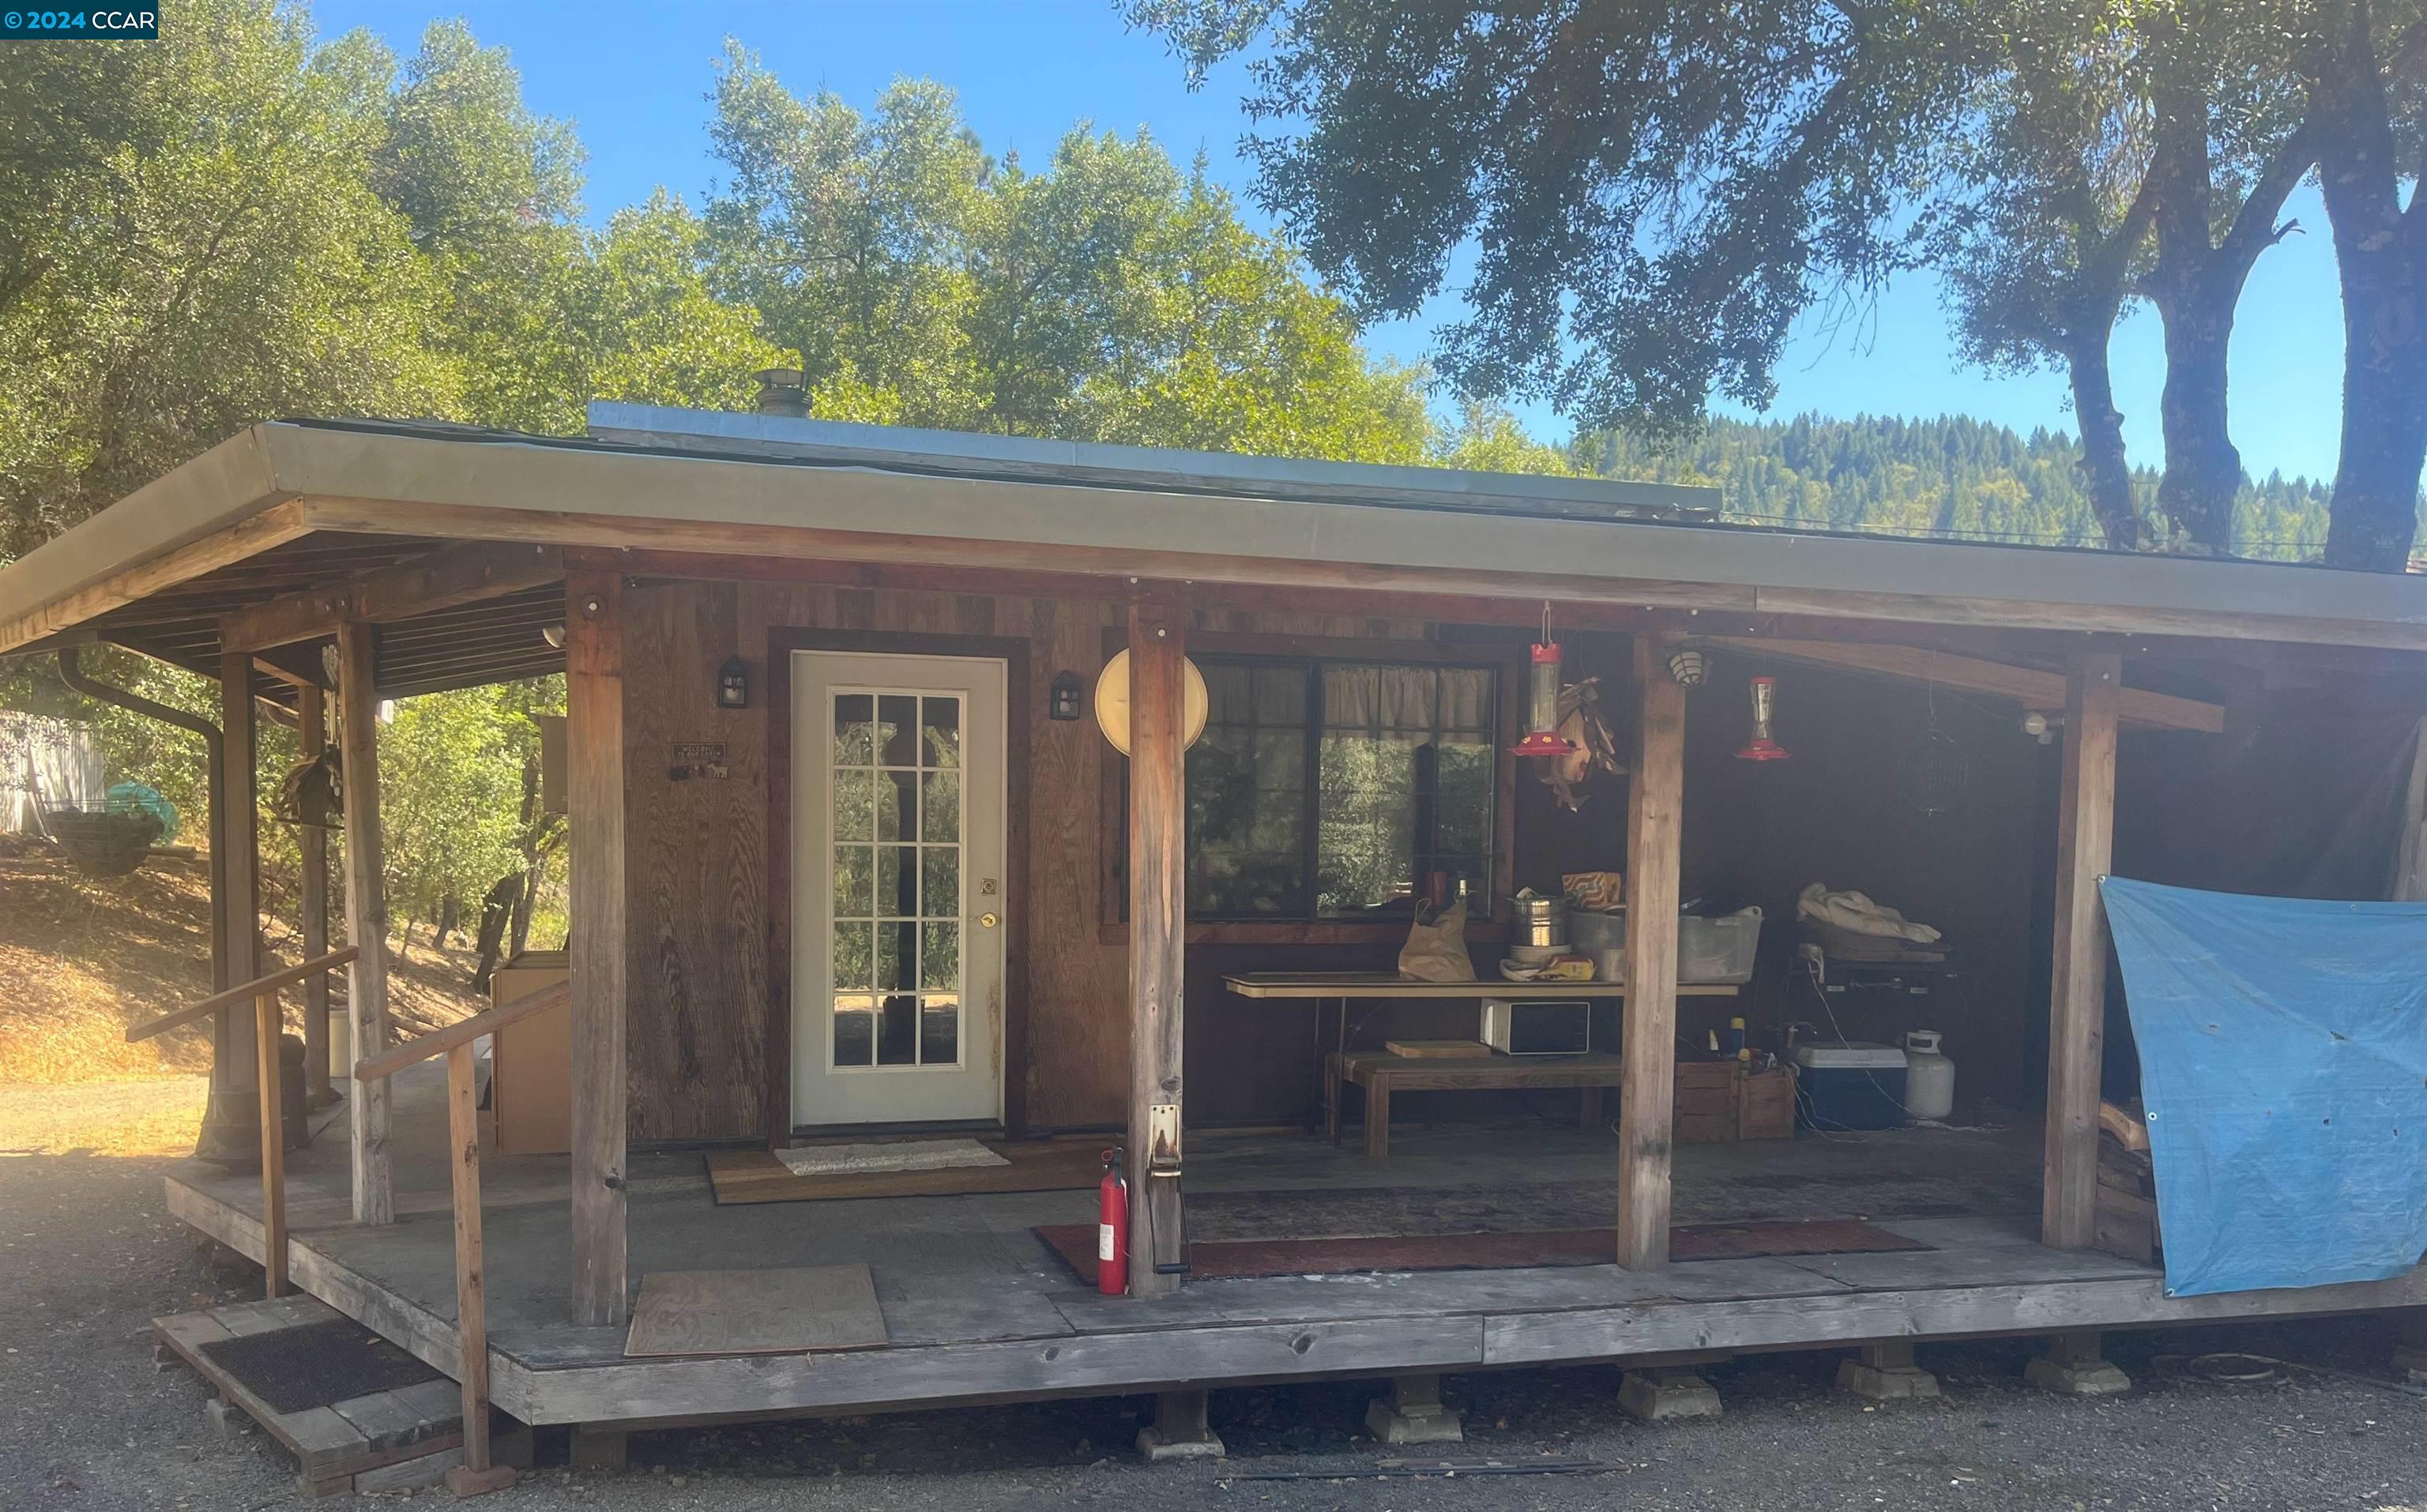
x: 236, y: 996
x: 476, y: 1474
x: 463, y: 1032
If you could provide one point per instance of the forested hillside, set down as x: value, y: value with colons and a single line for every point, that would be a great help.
x: 1951, y: 475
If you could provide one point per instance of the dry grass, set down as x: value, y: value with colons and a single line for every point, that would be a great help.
x: 154, y: 1116
x: 82, y: 958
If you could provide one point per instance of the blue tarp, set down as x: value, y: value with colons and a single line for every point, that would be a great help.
x: 2284, y: 1068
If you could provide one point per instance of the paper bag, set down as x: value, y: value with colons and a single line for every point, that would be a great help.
x: 1436, y: 951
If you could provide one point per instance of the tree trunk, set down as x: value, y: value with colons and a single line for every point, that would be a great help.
x: 497, y: 917
x: 521, y: 932
x: 2375, y: 506
x: 2102, y: 448
x: 2203, y: 467
x: 2374, y: 513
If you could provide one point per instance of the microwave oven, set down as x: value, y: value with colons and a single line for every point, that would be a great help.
x: 1516, y: 1025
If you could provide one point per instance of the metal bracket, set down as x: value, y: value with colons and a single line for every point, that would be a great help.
x: 1162, y: 1139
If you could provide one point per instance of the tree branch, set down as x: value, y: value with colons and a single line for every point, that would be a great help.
x: 2255, y: 229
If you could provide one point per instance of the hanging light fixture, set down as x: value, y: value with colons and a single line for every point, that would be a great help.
x: 1542, y: 737
x: 1764, y: 699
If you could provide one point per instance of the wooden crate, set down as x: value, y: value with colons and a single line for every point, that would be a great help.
x: 1765, y: 1105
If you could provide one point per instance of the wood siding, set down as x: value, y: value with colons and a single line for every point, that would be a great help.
x: 699, y: 861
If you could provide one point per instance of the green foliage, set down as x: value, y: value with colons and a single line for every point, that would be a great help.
x: 1649, y: 194
x: 1489, y: 440
x: 1953, y: 476
x: 234, y: 225
x: 451, y: 770
x: 206, y: 251
x: 1108, y: 297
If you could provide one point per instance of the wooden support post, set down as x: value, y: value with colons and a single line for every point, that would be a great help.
x: 1886, y: 1371
x: 312, y: 742
x: 2409, y: 1359
x: 1655, y: 818
x: 593, y: 693
x: 267, y: 1040
x: 476, y: 1474
x: 1158, y: 929
x: 2077, y: 1007
x: 1181, y: 1429
x: 1413, y: 1414
x: 365, y: 921
x: 2074, y: 1366
x: 235, y: 1055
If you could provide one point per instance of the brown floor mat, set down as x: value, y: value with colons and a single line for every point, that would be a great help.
x: 1217, y: 1259
x: 742, y: 1177
x: 296, y: 1369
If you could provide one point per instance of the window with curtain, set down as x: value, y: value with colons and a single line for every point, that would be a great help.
x: 1330, y: 789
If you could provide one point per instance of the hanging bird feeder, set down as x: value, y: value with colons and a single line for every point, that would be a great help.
x: 1542, y: 737
x: 1763, y: 747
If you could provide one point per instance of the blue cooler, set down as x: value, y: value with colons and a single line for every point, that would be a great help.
x: 1848, y: 1084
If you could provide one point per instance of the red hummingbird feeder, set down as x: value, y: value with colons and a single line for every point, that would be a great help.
x: 1765, y: 706
x: 1542, y: 702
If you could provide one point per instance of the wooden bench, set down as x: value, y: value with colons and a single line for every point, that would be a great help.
x: 1382, y: 1074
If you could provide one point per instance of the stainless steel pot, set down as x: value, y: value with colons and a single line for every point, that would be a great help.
x: 1540, y: 921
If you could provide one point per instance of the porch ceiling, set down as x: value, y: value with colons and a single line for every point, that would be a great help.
x: 465, y: 645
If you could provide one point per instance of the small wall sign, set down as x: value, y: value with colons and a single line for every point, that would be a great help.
x: 698, y: 758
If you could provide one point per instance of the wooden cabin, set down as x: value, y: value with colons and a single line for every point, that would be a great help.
x: 854, y: 862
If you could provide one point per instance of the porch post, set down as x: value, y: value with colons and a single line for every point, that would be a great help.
x: 2077, y: 1008
x: 1655, y: 795
x: 312, y: 737
x: 1158, y: 933
x: 593, y: 699
x: 366, y: 1025
x: 232, y: 1050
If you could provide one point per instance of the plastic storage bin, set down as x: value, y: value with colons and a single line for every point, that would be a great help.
x: 1848, y: 1084
x: 1717, y: 950
x: 1709, y: 950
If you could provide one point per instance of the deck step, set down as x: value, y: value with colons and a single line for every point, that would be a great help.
x: 332, y: 1441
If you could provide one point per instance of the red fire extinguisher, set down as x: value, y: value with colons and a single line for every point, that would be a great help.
x: 1113, y: 1229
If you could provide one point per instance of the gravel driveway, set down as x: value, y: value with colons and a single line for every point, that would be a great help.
x: 88, y: 1425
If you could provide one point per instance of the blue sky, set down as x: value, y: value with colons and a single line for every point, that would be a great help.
x: 632, y: 78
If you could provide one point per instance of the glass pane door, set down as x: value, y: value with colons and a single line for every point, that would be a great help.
x: 895, y: 776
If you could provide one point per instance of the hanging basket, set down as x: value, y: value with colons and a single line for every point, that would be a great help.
x: 104, y: 842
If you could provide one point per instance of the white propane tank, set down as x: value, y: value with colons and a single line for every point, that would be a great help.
x: 1929, y: 1077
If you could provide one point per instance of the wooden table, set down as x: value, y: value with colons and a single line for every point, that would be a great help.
x: 1381, y: 1073
x: 1340, y: 987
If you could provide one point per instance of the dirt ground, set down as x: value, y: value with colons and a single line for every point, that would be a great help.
x: 88, y: 1425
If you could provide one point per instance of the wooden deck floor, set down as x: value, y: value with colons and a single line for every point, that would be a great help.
x: 977, y: 1309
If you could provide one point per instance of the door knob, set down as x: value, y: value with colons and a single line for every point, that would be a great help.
x: 987, y: 920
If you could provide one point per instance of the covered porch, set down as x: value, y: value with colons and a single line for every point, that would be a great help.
x: 975, y: 1307
x: 719, y: 589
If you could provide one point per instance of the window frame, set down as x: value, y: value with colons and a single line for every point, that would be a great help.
x: 1501, y: 654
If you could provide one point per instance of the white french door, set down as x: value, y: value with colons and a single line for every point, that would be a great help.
x: 898, y: 897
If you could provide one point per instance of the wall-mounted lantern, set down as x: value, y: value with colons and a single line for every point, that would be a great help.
x: 1066, y: 700
x: 733, y: 684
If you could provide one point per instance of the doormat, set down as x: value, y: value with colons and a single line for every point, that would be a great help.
x: 742, y: 1177
x: 755, y: 1312
x: 905, y: 1155
x: 292, y: 1370
x: 1224, y: 1259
